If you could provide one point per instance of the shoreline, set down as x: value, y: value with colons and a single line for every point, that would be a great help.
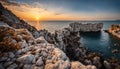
x: 114, y: 30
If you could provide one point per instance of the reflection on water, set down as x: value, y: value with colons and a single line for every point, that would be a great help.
x: 38, y: 25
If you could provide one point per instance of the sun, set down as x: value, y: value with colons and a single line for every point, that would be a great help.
x: 37, y: 18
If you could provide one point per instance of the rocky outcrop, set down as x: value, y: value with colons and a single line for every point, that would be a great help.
x: 112, y: 63
x: 33, y: 53
x: 69, y: 41
x: 78, y: 65
x: 89, y: 27
x: 115, y: 30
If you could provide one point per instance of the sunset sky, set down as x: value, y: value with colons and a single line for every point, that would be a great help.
x: 64, y: 9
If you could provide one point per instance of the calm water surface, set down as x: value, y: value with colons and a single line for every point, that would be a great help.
x: 97, y: 42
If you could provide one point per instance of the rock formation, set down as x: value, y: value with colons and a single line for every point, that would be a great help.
x: 69, y: 41
x: 115, y: 30
x: 32, y: 53
x: 89, y: 27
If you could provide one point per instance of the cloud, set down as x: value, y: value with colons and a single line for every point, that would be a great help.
x: 29, y: 11
x: 9, y: 2
x: 58, y: 13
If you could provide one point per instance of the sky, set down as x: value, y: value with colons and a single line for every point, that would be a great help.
x: 64, y: 9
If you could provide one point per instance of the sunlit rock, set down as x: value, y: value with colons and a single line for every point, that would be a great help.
x: 26, y: 58
x: 89, y: 27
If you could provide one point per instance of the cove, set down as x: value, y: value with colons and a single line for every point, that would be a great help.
x: 101, y: 42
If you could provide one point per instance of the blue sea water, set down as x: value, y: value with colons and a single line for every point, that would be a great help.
x: 102, y: 42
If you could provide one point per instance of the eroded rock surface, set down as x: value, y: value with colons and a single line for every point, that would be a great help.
x: 89, y: 27
x: 33, y: 53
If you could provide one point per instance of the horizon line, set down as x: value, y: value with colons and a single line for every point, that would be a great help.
x: 77, y: 20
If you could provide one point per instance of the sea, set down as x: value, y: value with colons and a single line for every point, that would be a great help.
x: 101, y: 42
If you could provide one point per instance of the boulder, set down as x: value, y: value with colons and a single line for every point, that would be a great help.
x: 107, y: 65
x: 11, y: 55
x: 78, y: 65
x: 41, y: 40
x: 26, y: 59
x: 40, y: 62
x: 12, y: 66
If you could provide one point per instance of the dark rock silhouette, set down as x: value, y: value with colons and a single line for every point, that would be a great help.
x: 12, y: 20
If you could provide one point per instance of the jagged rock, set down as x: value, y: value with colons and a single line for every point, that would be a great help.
x: 115, y: 51
x: 89, y: 27
x: 78, y: 65
x: 96, y: 61
x: 88, y: 61
x: 8, y: 63
x: 107, y: 64
x: 40, y: 62
x: 60, y: 54
x: 115, y: 30
x: 13, y: 66
x: 3, y: 58
x: 11, y: 54
x: 36, y: 34
x: 58, y: 65
x: 26, y: 58
x: 18, y: 52
x: 27, y: 66
x: 91, y: 67
x: 36, y: 67
x: 23, y: 44
x: 41, y: 55
x: 41, y: 40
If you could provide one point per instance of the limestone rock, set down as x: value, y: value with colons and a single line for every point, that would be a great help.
x: 27, y: 66
x: 89, y: 27
x: 13, y: 66
x: 7, y: 63
x: 78, y: 65
x: 26, y: 58
x: 23, y: 44
x: 41, y: 40
x: 107, y: 65
x: 11, y: 54
x: 40, y: 62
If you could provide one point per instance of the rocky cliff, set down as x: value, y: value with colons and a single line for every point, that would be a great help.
x: 19, y: 49
x: 115, y: 30
x: 89, y: 27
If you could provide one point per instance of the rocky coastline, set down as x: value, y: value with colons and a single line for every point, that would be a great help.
x: 88, y: 27
x: 24, y: 47
x: 115, y: 30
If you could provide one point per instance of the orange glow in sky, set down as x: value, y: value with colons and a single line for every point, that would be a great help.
x: 37, y: 13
